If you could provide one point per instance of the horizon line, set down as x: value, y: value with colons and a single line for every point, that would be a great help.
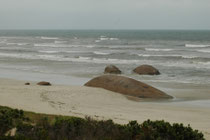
x: 114, y: 29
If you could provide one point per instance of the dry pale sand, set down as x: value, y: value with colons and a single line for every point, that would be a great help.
x: 101, y: 104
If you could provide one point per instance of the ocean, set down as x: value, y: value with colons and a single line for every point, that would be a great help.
x: 76, y: 56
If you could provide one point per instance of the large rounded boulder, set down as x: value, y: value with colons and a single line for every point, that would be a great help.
x: 146, y: 70
x: 112, y: 69
x: 127, y: 86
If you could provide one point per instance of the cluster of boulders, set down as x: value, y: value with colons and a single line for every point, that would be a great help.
x: 128, y: 86
x: 142, y: 70
x: 124, y: 85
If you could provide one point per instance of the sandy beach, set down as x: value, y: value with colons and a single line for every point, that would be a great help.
x: 102, y: 104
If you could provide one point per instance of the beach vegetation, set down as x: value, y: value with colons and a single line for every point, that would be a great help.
x: 32, y: 126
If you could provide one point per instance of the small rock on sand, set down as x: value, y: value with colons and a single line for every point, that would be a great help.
x: 27, y: 83
x: 43, y: 83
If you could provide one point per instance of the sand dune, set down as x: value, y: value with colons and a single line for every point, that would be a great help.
x: 100, y: 104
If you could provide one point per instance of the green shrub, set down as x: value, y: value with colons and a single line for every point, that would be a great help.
x: 9, y: 118
x: 153, y: 130
x: 74, y: 128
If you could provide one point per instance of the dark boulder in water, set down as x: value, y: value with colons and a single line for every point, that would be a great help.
x: 146, y: 70
x: 112, y: 69
x: 127, y: 86
x: 43, y: 83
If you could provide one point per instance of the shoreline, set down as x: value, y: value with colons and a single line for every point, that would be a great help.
x: 180, y: 92
x: 100, y: 104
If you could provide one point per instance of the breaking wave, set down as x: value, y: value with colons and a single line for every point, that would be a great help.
x: 196, y: 46
x: 50, y: 38
x: 204, y: 50
x: 19, y: 44
x: 52, y: 51
x: 59, y: 42
x: 75, y: 59
x: 178, y: 56
x: 154, y: 49
x: 100, y: 53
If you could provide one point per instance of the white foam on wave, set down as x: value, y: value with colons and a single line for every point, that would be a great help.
x: 180, y: 56
x: 113, y: 38
x: 48, y: 51
x: 125, y: 47
x: 189, y: 57
x: 144, y: 55
x: 22, y: 44
x: 84, y: 58
x: 19, y: 44
x: 155, y: 49
x: 45, y: 45
x: 89, y: 46
x: 3, y: 41
x: 54, y: 45
x: 105, y: 60
x: 6, y: 48
x: 204, y: 63
x: 11, y: 43
x: 49, y: 38
x: 104, y: 38
x: 53, y: 51
x: 101, y: 53
x: 189, y: 65
x: 76, y: 51
x: 43, y: 57
x: 97, y: 41
x: 14, y: 55
x: 62, y: 45
x: 204, y: 50
x: 59, y: 42
x: 151, y: 55
x: 49, y: 57
x: 196, y: 45
x: 81, y: 59
x: 87, y: 59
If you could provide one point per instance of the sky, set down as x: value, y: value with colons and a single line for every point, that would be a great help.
x: 105, y: 14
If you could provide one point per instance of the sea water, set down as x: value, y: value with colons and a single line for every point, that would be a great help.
x: 180, y: 56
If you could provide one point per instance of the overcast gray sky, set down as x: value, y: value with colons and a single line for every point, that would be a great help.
x: 104, y: 14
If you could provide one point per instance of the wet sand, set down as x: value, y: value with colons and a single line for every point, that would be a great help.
x: 102, y: 104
